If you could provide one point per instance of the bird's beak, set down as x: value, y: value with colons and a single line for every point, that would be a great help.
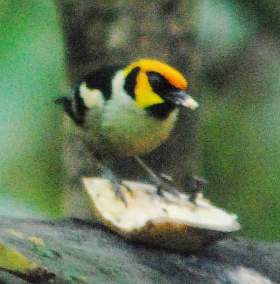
x: 181, y: 98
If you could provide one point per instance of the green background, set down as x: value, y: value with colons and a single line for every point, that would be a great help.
x: 239, y: 114
x: 31, y: 77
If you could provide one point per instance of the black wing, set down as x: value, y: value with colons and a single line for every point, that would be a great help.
x: 74, y: 106
x: 100, y: 79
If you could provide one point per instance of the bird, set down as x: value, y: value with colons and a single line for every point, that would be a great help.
x: 127, y: 111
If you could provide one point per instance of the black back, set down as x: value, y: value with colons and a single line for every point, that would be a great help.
x: 101, y: 79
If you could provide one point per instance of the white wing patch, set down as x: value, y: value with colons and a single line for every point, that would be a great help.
x: 119, y: 96
x: 92, y: 97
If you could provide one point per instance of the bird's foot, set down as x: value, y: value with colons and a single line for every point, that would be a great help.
x: 118, y: 185
x: 119, y: 188
x: 196, y: 185
x: 165, y: 183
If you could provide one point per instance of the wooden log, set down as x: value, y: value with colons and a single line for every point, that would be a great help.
x: 84, y: 252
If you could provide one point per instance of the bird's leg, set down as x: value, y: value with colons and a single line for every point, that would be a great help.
x: 117, y: 183
x: 165, y: 182
x: 196, y: 185
x: 103, y: 169
x: 162, y: 182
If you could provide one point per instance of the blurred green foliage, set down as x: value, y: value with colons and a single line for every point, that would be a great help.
x: 31, y: 74
x: 240, y: 118
x: 222, y: 28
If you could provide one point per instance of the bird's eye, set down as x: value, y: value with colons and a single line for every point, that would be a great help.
x: 159, y: 84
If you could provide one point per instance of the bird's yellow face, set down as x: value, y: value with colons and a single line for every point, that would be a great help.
x: 152, y: 82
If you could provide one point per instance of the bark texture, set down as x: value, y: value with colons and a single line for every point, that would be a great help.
x: 80, y: 252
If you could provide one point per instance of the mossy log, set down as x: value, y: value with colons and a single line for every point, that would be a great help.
x: 73, y: 251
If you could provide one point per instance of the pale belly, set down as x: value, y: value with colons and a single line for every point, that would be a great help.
x: 130, y: 133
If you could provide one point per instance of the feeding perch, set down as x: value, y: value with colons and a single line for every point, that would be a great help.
x: 170, y: 221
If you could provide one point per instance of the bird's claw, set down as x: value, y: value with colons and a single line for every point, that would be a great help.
x: 167, y: 178
x: 119, y: 188
x: 166, y: 184
x: 196, y: 185
x: 123, y: 184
